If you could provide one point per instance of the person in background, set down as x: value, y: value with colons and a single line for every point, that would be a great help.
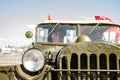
x: 70, y: 38
x: 55, y: 37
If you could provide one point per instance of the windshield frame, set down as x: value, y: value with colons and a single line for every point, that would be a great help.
x: 55, y: 26
x: 78, y: 25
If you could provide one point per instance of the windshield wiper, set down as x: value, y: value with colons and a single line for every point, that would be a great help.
x: 53, y: 29
x: 93, y: 29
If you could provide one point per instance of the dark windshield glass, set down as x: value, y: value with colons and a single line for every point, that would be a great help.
x: 67, y: 33
x: 63, y: 33
x: 104, y: 33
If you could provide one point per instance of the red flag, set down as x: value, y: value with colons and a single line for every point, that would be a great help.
x: 49, y: 17
x: 103, y: 18
x: 99, y: 18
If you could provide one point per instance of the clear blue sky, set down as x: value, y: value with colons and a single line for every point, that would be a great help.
x: 16, y: 15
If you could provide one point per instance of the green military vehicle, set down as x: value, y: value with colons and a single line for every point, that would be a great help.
x: 69, y: 50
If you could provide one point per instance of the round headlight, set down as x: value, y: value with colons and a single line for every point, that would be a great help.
x: 33, y: 60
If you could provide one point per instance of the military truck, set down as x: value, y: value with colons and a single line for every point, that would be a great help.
x: 69, y: 50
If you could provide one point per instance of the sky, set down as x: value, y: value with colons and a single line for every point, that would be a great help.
x: 19, y: 16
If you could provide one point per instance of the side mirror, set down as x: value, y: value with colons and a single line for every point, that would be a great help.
x: 29, y: 34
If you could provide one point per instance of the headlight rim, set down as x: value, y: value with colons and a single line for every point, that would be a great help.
x: 43, y: 57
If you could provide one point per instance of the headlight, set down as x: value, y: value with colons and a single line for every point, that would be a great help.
x: 33, y: 60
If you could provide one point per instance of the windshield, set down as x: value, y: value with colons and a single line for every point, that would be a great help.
x: 102, y: 33
x: 64, y: 33
x: 68, y: 33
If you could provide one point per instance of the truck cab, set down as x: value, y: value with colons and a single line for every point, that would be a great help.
x: 69, y: 50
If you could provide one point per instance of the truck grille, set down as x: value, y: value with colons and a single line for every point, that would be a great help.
x: 88, y: 61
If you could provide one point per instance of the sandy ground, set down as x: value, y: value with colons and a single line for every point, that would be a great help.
x: 10, y: 59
